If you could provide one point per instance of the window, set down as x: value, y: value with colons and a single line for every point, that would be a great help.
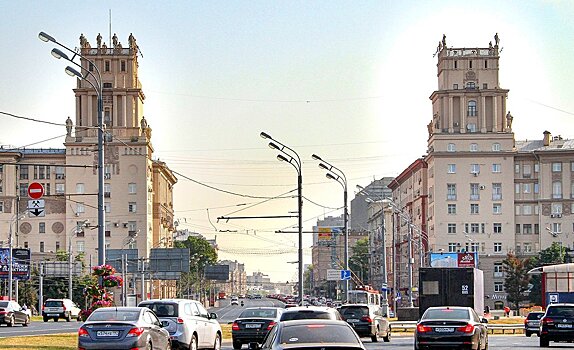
x: 474, y: 247
x: 26, y: 245
x: 496, y: 168
x: 60, y: 173
x: 451, y: 192
x: 1, y: 206
x: 455, y: 65
x: 556, y: 189
x: 497, y: 227
x: 80, y: 246
x: 571, y: 166
x: 1, y: 186
x: 24, y: 172
x: 536, y: 229
x: 57, y: 246
x: 123, y: 66
x: 451, y: 208
x: 451, y: 147
x: 474, y: 228
x: 527, y: 247
x: 42, y: 227
x: 80, y: 208
x: 23, y: 189
x: 132, y: 208
x: 455, y: 86
x: 41, y: 247
x: 527, y: 170
x: 536, y: 188
x: 497, y: 208
x: 556, y: 208
x: 527, y: 188
x: 474, y: 147
x: 132, y: 226
x: 471, y: 108
x: 497, y: 247
x: 107, y: 65
x: 451, y: 228
x: 526, y: 209
x: 498, y: 287
x: 80, y: 188
x: 475, y: 169
x: 496, y: 147
x: 516, y: 188
x: 517, y: 210
x: 518, y: 250
x: 470, y: 85
x: 474, y: 192
x: 498, y: 270
x: 108, y: 207
x: 452, y: 168
x: 527, y: 229
x: 452, y: 247
x: 132, y: 188
x: 496, y: 191
x: 556, y: 228
x: 60, y: 188
x: 474, y: 208
x: 557, y: 167
x: 107, y: 190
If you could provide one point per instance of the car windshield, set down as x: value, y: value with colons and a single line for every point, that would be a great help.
x: 354, y: 311
x: 54, y: 303
x: 318, y: 333
x: 265, y: 313
x: 446, y: 314
x: 534, y: 315
x: 3, y: 304
x: 560, y: 311
x: 162, y: 309
x: 114, y: 315
x: 304, y: 314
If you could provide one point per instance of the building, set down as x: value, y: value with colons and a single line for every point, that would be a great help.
x: 237, y: 283
x: 478, y: 189
x: 138, y: 190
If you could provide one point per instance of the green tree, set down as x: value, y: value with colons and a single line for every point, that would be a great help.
x: 201, y: 254
x: 555, y: 254
x: 516, y: 280
x: 359, y: 261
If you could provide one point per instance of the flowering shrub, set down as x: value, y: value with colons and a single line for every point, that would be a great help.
x: 113, y: 281
x: 103, y: 270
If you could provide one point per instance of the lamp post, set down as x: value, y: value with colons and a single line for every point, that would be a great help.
x: 288, y: 155
x: 97, y: 85
x: 337, y: 174
x: 10, y: 255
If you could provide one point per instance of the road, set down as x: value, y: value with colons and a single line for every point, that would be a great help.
x: 227, y: 313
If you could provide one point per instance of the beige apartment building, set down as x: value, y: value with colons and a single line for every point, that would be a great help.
x: 138, y: 190
x: 485, y: 192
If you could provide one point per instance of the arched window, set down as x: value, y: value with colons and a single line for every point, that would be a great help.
x: 472, y: 109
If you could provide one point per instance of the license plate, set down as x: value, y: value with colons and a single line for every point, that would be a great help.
x: 444, y: 329
x: 252, y: 325
x: 563, y: 325
x: 352, y: 320
x: 52, y: 315
x: 107, y: 333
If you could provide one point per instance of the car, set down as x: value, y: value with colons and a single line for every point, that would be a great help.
x: 557, y: 324
x: 313, y: 334
x: 234, y: 301
x: 189, y: 324
x: 532, y: 323
x: 253, y: 324
x: 123, y: 328
x: 60, y: 308
x: 367, y: 320
x: 12, y: 313
x: 310, y: 312
x: 451, y: 326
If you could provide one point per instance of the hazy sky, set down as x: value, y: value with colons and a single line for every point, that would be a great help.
x: 347, y: 80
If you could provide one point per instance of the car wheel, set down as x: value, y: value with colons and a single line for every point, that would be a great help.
x: 237, y: 345
x: 10, y: 322
x: 528, y: 334
x: 68, y: 317
x: 217, y: 342
x: 56, y: 319
x: 544, y: 342
x: 387, y: 338
x: 26, y: 322
x: 168, y: 346
x: 193, y: 343
x: 375, y: 337
x: 149, y: 346
x: 45, y: 319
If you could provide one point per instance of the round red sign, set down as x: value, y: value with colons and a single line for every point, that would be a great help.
x: 35, y: 190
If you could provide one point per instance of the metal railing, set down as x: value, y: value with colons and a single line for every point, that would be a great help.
x: 409, y: 326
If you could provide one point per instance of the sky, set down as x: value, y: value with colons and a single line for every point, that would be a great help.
x: 347, y: 80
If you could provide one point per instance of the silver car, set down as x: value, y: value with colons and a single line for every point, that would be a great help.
x: 189, y: 324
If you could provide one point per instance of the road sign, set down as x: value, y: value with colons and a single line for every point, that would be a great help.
x: 333, y: 275
x: 554, y: 298
x: 345, y: 275
x: 36, y: 208
x: 35, y: 190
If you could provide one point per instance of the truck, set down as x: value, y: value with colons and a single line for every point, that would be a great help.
x: 451, y: 286
x: 221, y: 295
x: 557, y: 283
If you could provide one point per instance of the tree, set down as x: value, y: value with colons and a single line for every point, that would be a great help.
x: 516, y: 280
x: 359, y: 261
x: 201, y: 254
x: 555, y: 254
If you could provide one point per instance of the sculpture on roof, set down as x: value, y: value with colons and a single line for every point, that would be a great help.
x: 444, y: 40
x: 509, y: 119
x: 99, y: 40
x: 69, y: 125
x: 496, y: 40
x: 115, y: 40
x: 84, y: 42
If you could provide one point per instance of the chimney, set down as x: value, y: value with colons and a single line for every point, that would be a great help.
x: 547, y: 138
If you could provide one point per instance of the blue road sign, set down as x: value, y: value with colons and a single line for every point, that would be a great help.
x: 345, y: 275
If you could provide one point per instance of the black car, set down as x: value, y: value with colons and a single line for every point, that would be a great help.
x: 123, y: 328
x: 451, y: 326
x: 11, y: 313
x: 557, y: 324
x: 532, y: 323
x: 367, y: 320
x: 313, y: 334
x: 310, y: 312
x: 253, y: 324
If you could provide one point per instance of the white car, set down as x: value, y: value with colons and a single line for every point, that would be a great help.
x: 234, y: 301
x: 189, y: 324
x: 60, y: 308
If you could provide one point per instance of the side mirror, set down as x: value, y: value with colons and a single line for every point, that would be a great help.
x: 164, y: 324
x: 484, y: 320
x: 212, y: 316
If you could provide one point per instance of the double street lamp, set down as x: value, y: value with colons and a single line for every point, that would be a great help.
x: 337, y: 174
x: 97, y: 85
x: 287, y: 154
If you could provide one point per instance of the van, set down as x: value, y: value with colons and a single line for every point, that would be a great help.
x: 60, y: 308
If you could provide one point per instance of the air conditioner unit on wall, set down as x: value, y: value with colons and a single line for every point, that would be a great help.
x: 555, y: 215
x: 482, y: 187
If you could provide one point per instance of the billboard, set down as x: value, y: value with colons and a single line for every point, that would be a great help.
x: 216, y: 272
x: 326, y: 235
x: 20, y: 263
x: 467, y: 259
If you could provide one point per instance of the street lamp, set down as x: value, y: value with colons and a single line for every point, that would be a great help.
x: 290, y: 156
x: 337, y: 174
x: 15, y: 218
x: 97, y: 85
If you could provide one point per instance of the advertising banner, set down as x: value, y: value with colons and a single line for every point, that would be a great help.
x: 20, y: 263
x: 454, y: 259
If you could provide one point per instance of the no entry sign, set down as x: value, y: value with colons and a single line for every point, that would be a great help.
x: 35, y: 190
